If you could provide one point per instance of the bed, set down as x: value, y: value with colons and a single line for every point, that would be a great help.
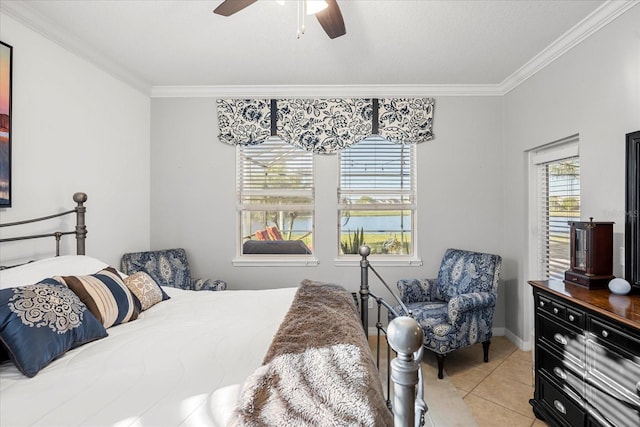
x: 293, y: 356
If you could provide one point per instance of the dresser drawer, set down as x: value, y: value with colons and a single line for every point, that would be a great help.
x: 561, y: 405
x: 576, y: 317
x: 550, y: 306
x: 556, y: 309
x: 565, y: 340
x: 615, y: 411
x: 563, y: 372
x: 610, y: 334
x: 615, y: 371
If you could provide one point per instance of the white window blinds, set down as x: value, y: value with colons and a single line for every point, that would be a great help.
x: 377, y: 174
x: 558, y: 201
x: 274, y: 175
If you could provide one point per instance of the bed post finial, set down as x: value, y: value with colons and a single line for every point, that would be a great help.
x: 81, y: 228
x: 405, y: 337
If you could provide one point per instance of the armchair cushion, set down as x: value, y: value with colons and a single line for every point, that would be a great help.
x: 463, y: 272
x: 417, y: 290
x: 429, y: 314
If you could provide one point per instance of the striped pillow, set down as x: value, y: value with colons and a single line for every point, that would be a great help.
x: 105, y: 294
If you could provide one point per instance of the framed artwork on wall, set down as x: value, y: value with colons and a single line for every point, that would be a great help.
x: 6, y: 57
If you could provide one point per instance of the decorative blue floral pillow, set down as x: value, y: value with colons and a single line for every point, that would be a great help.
x: 40, y: 322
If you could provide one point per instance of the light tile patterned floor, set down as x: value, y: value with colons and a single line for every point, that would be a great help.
x: 497, y: 392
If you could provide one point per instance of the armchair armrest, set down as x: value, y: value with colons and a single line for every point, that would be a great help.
x: 463, y: 303
x: 416, y: 290
x: 208, y: 285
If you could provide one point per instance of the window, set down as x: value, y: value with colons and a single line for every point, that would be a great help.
x: 377, y: 197
x: 557, y: 176
x: 275, y: 199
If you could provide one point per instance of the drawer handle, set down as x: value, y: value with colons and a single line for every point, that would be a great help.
x: 560, y: 373
x: 541, y: 303
x: 560, y: 339
x: 605, y: 333
x: 571, y: 318
x: 555, y: 310
x: 560, y: 407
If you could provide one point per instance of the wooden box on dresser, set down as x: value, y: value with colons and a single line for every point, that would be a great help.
x: 587, y: 356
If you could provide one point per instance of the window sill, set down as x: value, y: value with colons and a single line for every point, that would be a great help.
x: 275, y: 261
x: 378, y: 261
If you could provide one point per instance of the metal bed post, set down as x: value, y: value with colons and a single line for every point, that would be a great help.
x: 404, y: 335
x: 81, y: 228
x: 364, y: 251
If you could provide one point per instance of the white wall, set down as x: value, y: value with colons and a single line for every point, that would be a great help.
x: 75, y: 128
x: 460, y: 196
x: 593, y: 90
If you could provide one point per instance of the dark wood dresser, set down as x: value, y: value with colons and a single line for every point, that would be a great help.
x: 587, y: 356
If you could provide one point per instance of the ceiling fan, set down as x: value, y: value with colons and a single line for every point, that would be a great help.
x: 330, y: 18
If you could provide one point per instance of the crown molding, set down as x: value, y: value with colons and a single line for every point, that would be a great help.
x: 597, y: 19
x: 27, y: 15
x: 607, y: 12
x: 322, y: 91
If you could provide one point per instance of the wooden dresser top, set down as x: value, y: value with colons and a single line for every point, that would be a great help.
x: 623, y: 308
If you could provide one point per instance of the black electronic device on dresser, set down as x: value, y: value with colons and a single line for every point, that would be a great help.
x: 587, y: 356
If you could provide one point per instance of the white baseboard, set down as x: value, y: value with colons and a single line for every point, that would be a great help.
x: 522, y: 344
x: 498, y: 332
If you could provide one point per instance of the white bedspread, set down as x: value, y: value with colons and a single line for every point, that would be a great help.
x: 159, y: 370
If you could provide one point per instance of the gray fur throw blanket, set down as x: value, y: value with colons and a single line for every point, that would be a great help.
x: 318, y: 371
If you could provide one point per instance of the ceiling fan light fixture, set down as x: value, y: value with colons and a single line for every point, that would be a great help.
x: 315, y: 6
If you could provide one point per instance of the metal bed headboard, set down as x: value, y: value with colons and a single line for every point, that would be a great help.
x: 80, y: 230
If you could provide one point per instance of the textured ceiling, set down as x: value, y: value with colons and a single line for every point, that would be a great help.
x: 404, y: 42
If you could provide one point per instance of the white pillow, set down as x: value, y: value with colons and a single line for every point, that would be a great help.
x: 33, y: 272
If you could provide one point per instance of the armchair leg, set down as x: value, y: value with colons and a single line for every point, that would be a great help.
x: 485, y: 350
x: 440, y: 359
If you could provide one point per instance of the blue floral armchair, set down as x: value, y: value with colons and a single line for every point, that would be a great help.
x: 168, y: 267
x: 456, y: 309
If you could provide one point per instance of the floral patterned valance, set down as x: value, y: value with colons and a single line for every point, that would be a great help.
x: 325, y: 125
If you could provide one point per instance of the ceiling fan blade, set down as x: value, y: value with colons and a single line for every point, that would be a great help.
x: 331, y: 20
x: 229, y: 7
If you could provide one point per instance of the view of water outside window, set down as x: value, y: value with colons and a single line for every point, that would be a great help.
x: 376, y: 201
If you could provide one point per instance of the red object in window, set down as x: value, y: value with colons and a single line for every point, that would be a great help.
x: 274, y: 233
x: 262, y: 235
